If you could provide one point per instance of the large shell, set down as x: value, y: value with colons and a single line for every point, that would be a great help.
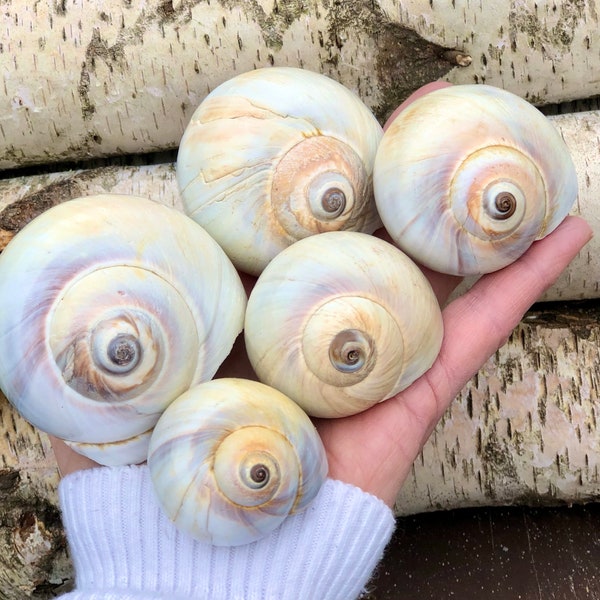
x: 275, y: 155
x: 231, y: 458
x: 467, y: 177
x: 111, y: 307
x: 341, y: 321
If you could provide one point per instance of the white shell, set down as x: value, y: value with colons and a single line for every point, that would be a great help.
x: 341, y: 321
x: 131, y: 451
x: 111, y: 307
x: 467, y: 177
x: 275, y: 155
x: 231, y: 458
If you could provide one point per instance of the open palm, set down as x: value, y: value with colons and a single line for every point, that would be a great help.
x: 375, y: 449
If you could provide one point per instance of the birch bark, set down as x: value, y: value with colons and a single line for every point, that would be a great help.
x: 544, y: 51
x: 123, y: 77
x: 22, y: 198
x: 525, y: 429
x: 35, y: 563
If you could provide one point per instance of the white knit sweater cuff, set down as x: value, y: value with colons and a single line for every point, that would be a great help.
x: 123, y: 546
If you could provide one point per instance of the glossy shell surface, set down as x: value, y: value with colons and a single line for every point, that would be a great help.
x: 341, y: 321
x: 111, y: 307
x: 131, y: 451
x: 275, y: 155
x: 468, y: 177
x: 231, y: 458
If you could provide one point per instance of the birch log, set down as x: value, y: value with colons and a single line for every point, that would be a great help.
x: 125, y: 77
x: 84, y: 79
x: 525, y: 429
x: 545, y: 51
x: 22, y: 198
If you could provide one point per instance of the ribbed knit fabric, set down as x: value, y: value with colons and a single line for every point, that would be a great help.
x: 124, y: 548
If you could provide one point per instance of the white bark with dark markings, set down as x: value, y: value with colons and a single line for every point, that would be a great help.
x: 82, y: 80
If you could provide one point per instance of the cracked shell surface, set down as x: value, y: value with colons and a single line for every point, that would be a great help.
x: 275, y: 155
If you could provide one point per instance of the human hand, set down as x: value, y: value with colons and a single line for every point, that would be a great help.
x: 237, y: 363
x: 374, y: 450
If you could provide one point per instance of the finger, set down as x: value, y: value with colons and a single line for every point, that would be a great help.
x: 475, y: 326
x: 443, y: 285
x: 67, y: 459
x: 480, y: 321
x: 425, y: 89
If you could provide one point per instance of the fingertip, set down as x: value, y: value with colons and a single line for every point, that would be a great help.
x: 485, y: 315
x: 565, y: 242
x: 422, y: 91
x: 579, y: 225
x: 524, y: 281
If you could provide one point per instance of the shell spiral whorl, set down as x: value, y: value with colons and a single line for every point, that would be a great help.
x: 275, y: 155
x: 230, y: 459
x: 341, y: 321
x: 110, y: 307
x: 467, y: 177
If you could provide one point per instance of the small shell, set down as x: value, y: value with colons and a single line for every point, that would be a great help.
x: 111, y: 307
x: 341, y: 321
x: 231, y: 458
x: 467, y: 177
x: 275, y: 155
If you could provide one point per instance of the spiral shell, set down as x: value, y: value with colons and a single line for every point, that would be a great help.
x: 111, y: 307
x: 467, y: 177
x: 231, y: 458
x: 275, y: 155
x: 341, y: 321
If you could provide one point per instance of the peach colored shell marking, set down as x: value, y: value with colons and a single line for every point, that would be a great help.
x: 110, y: 307
x: 231, y: 458
x: 341, y: 321
x: 466, y: 178
x: 275, y: 155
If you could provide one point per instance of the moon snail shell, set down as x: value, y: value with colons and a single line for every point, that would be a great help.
x: 341, y: 321
x: 275, y: 155
x: 467, y: 177
x: 230, y: 459
x: 110, y: 307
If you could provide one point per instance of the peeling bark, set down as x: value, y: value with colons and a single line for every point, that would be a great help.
x: 24, y: 198
x: 35, y: 563
x: 545, y: 51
